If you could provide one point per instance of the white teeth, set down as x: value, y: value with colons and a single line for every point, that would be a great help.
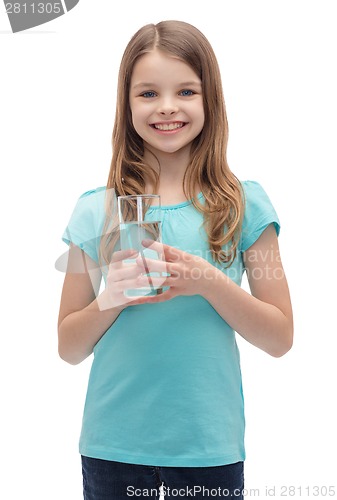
x: 168, y: 126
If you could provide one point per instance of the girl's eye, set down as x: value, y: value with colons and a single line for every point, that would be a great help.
x: 149, y: 94
x: 186, y: 92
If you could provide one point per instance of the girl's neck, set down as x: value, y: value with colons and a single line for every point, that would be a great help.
x: 171, y: 175
x: 170, y: 166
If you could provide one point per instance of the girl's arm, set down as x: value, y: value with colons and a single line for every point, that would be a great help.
x: 263, y: 318
x: 84, y: 315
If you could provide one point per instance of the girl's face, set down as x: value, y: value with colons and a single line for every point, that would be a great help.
x: 166, y: 103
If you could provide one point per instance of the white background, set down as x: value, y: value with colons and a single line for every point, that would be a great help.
x: 57, y: 94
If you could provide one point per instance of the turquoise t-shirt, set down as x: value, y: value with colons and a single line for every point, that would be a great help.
x: 165, y: 384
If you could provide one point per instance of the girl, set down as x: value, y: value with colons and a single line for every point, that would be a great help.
x: 164, y: 405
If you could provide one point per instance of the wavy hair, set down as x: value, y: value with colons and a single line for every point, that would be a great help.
x: 208, y: 168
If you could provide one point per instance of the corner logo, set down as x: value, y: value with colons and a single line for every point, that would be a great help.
x: 23, y: 15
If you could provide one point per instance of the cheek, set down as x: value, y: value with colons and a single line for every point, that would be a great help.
x: 138, y: 115
x: 198, y: 113
x: 201, y: 120
x: 139, y: 121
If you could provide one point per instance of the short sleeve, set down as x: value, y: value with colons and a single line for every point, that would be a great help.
x: 84, y: 228
x: 259, y: 213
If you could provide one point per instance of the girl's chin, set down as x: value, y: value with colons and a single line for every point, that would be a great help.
x: 157, y: 150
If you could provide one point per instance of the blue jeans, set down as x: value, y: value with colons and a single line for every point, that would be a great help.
x: 107, y: 480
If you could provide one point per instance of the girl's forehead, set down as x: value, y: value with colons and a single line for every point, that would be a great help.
x: 160, y: 65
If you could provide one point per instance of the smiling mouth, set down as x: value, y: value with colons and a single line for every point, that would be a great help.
x: 168, y: 126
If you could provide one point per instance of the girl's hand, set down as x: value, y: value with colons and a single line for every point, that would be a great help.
x: 188, y: 274
x: 121, y: 277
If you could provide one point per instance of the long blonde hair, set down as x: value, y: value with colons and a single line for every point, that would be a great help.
x: 208, y: 168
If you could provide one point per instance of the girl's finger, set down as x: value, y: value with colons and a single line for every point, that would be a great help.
x: 155, y: 299
x: 127, y: 271
x: 124, y: 285
x: 170, y: 253
x: 154, y: 265
x: 153, y: 281
x: 123, y: 255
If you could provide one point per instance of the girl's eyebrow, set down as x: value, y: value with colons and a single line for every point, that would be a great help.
x: 182, y: 84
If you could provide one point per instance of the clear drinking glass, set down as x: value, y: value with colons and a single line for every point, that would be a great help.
x: 139, y: 219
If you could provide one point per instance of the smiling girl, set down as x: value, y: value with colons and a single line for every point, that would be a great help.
x: 164, y: 405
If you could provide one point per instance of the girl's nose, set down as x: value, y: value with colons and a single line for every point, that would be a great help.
x: 167, y: 107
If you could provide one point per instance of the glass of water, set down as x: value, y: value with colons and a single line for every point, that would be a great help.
x: 140, y: 219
